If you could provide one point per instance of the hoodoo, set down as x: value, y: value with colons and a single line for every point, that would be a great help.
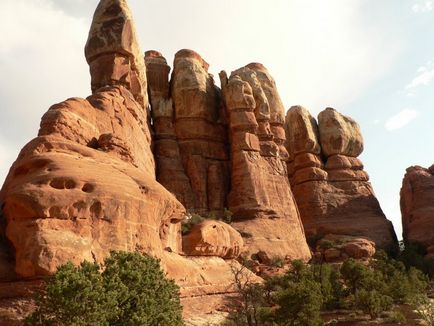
x: 331, y: 188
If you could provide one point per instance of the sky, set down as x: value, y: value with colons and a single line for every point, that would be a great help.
x: 371, y: 60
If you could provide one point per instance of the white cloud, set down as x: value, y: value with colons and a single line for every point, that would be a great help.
x: 424, y: 78
x: 422, y: 6
x: 401, y: 119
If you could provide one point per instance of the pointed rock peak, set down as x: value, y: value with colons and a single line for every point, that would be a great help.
x: 113, y: 52
x: 190, y: 54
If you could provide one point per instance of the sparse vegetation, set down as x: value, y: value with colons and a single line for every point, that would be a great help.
x: 299, y: 296
x: 131, y: 290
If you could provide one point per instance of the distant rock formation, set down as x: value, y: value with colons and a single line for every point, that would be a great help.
x: 329, y: 184
x: 417, y: 207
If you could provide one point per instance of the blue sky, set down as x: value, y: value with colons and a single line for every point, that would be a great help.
x: 372, y: 60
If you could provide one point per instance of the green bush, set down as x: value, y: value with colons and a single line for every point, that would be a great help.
x: 191, y: 221
x: 132, y: 290
x: 300, y: 304
x: 372, y: 302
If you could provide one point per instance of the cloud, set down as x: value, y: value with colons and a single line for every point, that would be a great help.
x: 422, y: 7
x: 424, y: 77
x: 401, y: 119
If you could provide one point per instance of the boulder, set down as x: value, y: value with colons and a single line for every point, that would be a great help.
x: 339, y: 134
x: 213, y: 238
x: 336, y: 248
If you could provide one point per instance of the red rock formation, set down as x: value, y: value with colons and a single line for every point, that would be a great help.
x: 200, y: 131
x: 86, y: 185
x: 113, y: 54
x: 261, y: 199
x: 417, y: 207
x: 170, y: 170
x: 329, y: 184
x: 213, y: 238
x: 337, y: 248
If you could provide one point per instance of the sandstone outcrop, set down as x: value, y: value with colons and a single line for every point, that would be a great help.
x: 87, y: 185
x: 169, y: 167
x: 190, y: 131
x: 417, y: 207
x: 331, y: 188
x: 213, y: 238
x: 261, y: 199
x: 337, y: 248
x: 112, y: 50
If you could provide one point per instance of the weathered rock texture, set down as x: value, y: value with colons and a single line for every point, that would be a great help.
x: 417, y: 207
x: 330, y: 186
x: 260, y: 197
x: 190, y: 131
x: 337, y: 248
x: 87, y: 185
x: 213, y: 238
x: 112, y: 50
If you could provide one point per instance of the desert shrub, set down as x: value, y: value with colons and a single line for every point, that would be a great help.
x: 227, y: 216
x: 299, y: 304
x: 277, y: 261
x: 326, y: 244
x: 396, y: 317
x: 132, y: 290
x: 192, y: 220
x: 332, y: 290
x: 372, y: 302
x: 412, y: 255
x: 424, y: 307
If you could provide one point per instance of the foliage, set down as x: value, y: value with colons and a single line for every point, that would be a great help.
x: 396, y: 317
x: 192, y: 220
x: 298, y: 296
x: 227, y: 216
x: 132, y: 290
x: 412, y: 255
x: 299, y: 303
x: 424, y: 307
x: 372, y: 302
x: 277, y: 261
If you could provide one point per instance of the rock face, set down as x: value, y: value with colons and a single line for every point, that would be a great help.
x: 193, y: 146
x: 417, y: 207
x: 87, y: 185
x: 337, y: 248
x: 112, y: 50
x: 330, y: 186
x: 213, y: 238
x: 190, y: 131
x: 260, y: 198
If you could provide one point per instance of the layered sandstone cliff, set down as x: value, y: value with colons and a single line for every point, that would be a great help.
x: 417, y: 207
x: 87, y: 185
x: 260, y: 196
x: 218, y: 154
x: 331, y: 188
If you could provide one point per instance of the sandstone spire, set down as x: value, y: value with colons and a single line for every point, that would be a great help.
x: 260, y: 197
x: 331, y: 188
x: 113, y: 52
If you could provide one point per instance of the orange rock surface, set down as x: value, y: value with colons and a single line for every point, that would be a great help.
x: 417, y: 207
x: 261, y: 199
x: 330, y: 186
x: 87, y: 185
